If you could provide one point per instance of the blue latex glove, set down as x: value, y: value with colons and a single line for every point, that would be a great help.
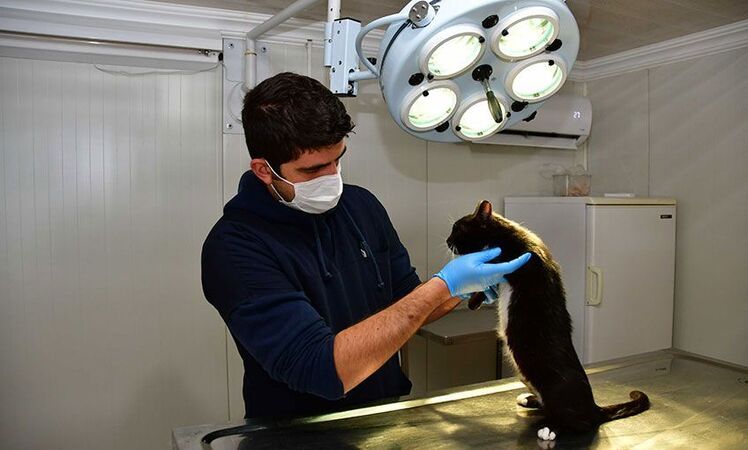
x: 472, y: 272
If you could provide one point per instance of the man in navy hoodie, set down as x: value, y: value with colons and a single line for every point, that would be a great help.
x: 310, y: 277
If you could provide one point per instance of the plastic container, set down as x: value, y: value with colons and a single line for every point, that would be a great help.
x: 571, y: 185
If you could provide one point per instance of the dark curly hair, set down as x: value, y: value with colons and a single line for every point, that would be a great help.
x: 289, y: 114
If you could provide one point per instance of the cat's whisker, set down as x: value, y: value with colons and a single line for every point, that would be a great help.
x: 448, y: 253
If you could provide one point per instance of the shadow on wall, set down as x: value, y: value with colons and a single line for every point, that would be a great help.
x: 154, y: 418
x: 376, y: 128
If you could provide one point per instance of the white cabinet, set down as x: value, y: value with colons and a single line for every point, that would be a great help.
x: 617, y: 259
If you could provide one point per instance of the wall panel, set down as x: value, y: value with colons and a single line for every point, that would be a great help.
x: 699, y: 155
x: 109, y: 185
x: 680, y: 130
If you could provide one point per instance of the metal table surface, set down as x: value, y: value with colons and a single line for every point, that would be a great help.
x: 695, y: 404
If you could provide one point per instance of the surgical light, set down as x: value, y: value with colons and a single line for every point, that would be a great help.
x: 525, y: 33
x: 430, y: 106
x: 453, y: 51
x: 536, y: 79
x: 475, y: 121
x: 451, y: 70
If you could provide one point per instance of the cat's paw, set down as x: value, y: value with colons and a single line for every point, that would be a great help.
x: 528, y: 400
x: 522, y: 398
x: 546, y: 434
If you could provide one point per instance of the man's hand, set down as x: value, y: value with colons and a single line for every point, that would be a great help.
x: 472, y: 272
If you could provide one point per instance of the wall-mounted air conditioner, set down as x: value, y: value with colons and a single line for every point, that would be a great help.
x: 563, y: 121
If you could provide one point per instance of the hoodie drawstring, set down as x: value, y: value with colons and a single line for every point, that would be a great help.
x: 320, y: 257
x: 364, y: 247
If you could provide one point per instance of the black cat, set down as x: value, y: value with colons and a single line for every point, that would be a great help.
x: 536, y: 326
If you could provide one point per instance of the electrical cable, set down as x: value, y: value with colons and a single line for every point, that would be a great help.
x: 156, y: 72
x: 231, y: 94
x: 228, y: 107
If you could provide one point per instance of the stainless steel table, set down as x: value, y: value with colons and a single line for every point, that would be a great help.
x: 696, y: 404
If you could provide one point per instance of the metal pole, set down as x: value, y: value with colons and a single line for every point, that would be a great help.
x: 333, y: 10
x: 308, y: 47
x: 279, y: 18
x: 250, y: 55
x: 333, y: 13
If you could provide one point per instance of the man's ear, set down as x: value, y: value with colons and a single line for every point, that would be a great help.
x: 261, y: 170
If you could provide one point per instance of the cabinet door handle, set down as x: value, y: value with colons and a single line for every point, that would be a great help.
x: 594, y: 285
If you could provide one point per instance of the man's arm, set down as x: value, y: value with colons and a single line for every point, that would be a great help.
x: 443, y: 309
x: 360, y: 350
x: 363, y: 348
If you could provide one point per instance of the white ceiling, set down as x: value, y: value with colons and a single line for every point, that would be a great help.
x: 607, y: 26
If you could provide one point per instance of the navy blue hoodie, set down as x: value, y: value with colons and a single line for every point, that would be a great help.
x: 285, y: 282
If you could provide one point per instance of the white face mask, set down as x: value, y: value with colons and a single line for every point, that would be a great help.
x: 314, y: 196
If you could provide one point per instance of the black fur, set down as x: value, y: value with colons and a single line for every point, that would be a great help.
x: 538, y: 331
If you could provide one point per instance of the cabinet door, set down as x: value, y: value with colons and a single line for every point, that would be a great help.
x: 630, y: 280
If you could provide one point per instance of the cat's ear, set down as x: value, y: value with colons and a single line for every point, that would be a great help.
x: 485, y: 210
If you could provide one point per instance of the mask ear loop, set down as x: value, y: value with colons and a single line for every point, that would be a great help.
x: 276, y: 173
x: 272, y: 186
x: 280, y: 197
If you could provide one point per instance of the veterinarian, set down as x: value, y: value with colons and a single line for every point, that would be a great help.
x: 309, y: 275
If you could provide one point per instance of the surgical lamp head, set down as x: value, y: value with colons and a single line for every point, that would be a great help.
x: 457, y: 70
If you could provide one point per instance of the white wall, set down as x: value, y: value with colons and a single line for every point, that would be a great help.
x: 461, y: 175
x: 108, y: 186
x: 619, y: 140
x: 681, y: 130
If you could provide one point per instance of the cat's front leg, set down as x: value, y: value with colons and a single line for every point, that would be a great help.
x: 529, y: 399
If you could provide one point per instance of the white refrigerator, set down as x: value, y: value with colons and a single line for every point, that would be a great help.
x: 617, y: 258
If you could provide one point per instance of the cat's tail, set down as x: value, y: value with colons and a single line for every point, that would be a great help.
x: 638, y: 404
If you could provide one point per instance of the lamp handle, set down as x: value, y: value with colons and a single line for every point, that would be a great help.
x: 493, y: 103
x: 494, y: 107
x: 386, y: 20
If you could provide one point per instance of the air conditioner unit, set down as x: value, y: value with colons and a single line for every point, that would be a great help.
x: 563, y: 121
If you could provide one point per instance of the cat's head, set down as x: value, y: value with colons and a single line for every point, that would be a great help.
x: 483, y: 228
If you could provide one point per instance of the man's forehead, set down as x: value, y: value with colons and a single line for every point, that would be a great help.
x: 323, y: 155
